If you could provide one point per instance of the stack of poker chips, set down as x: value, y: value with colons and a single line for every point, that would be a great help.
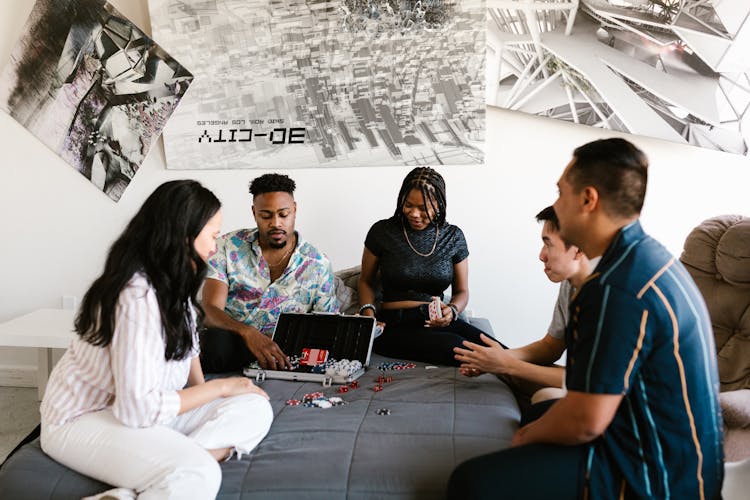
x: 343, y: 368
x: 294, y: 361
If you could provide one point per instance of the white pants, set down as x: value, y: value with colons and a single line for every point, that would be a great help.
x: 168, y: 461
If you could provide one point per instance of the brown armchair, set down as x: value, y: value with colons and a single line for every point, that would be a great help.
x: 717, y: 255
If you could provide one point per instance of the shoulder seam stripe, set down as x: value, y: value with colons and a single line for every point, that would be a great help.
x: 655, y: 277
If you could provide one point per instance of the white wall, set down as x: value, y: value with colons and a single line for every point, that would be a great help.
x: 56, y: 227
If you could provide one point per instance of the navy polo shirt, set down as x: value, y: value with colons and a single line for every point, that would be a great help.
x: 639, y: 327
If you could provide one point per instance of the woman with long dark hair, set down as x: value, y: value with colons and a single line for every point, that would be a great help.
x: 419, y: 255
x: 128, y: 404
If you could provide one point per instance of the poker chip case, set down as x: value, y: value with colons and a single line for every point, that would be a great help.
x: 347, y: 337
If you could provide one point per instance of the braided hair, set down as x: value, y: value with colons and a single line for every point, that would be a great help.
x: 432, y: 186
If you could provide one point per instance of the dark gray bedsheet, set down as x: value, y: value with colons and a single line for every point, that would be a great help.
x: 438, y: 419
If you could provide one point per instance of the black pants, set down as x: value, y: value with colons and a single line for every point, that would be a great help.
x: 223, y: 351
x: 535, y: 471
x: 405, y: 337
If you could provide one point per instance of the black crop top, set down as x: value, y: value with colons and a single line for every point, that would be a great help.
x: 406, y: 275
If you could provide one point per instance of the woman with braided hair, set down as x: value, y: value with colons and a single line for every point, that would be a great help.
x: 419, y: 255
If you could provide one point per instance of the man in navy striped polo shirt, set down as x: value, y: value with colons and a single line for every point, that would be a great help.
x: 641, y: 418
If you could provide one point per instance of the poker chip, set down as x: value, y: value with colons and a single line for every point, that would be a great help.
x: 396, y: 365
x: 377, y: 388
x: 383, y: 411
x: 343, y: 389
x: 316, y: 400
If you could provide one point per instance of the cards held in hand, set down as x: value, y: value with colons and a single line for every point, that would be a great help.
x: 435, y: 308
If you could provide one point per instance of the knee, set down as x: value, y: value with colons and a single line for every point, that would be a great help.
x: 200, y: 473
x: 546, y: 394
x: 467, y: 482
x: 254, y: 416
x: 210, y: 476
x: 459, y: 483
x: 258, y: 410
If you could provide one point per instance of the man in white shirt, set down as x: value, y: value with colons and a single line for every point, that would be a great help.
x: 530, y: 368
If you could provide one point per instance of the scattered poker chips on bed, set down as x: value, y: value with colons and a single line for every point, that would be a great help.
x: 312, y: 396
x: 396, y: 365
x: 383, y: 411
x: 316, y: 400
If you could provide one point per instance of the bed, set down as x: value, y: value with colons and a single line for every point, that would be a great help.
x: 354, y: 451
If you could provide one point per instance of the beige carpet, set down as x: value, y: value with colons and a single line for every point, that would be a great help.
x: 19, y: 414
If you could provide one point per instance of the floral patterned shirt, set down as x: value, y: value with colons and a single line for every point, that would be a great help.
x: 305, y: 285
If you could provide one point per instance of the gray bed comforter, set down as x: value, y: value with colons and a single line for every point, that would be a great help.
x: 437, y: 419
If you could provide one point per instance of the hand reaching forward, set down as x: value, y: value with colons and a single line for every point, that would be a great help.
x: 266, y: 351
x: 489, y: 358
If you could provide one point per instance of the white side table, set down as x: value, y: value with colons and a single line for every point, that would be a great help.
x: 45, y: 329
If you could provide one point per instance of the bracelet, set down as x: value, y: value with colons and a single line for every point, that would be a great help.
x: 366, y: 306
x: 454, y: 308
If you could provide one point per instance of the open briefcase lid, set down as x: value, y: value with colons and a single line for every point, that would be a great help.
x: 343, y: 336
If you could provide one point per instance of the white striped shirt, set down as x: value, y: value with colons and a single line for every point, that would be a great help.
x: 130, y: 374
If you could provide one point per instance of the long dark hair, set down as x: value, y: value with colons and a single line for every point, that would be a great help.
x: 158, y: 242
x: 432, y: 186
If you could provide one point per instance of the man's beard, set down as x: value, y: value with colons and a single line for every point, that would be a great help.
x: 277, y: 246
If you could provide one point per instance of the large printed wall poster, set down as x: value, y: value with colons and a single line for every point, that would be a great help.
x: 672, y: 69
x: 326, y: 83
x: 92, y: 87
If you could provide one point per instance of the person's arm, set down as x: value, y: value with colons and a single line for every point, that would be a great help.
x: 577, y: 418
x: 366, y: 283
x: 195, y: 377
x: 545, y: 351
x: 265, y: 350
x: 201, y: 394
x: 198, y: 392
x: 460, y: 286
x: 492, y: 358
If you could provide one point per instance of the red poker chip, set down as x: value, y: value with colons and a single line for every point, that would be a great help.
x: 293, y: 402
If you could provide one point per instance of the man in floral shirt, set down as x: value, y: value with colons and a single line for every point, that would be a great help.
x: 255, y: 275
